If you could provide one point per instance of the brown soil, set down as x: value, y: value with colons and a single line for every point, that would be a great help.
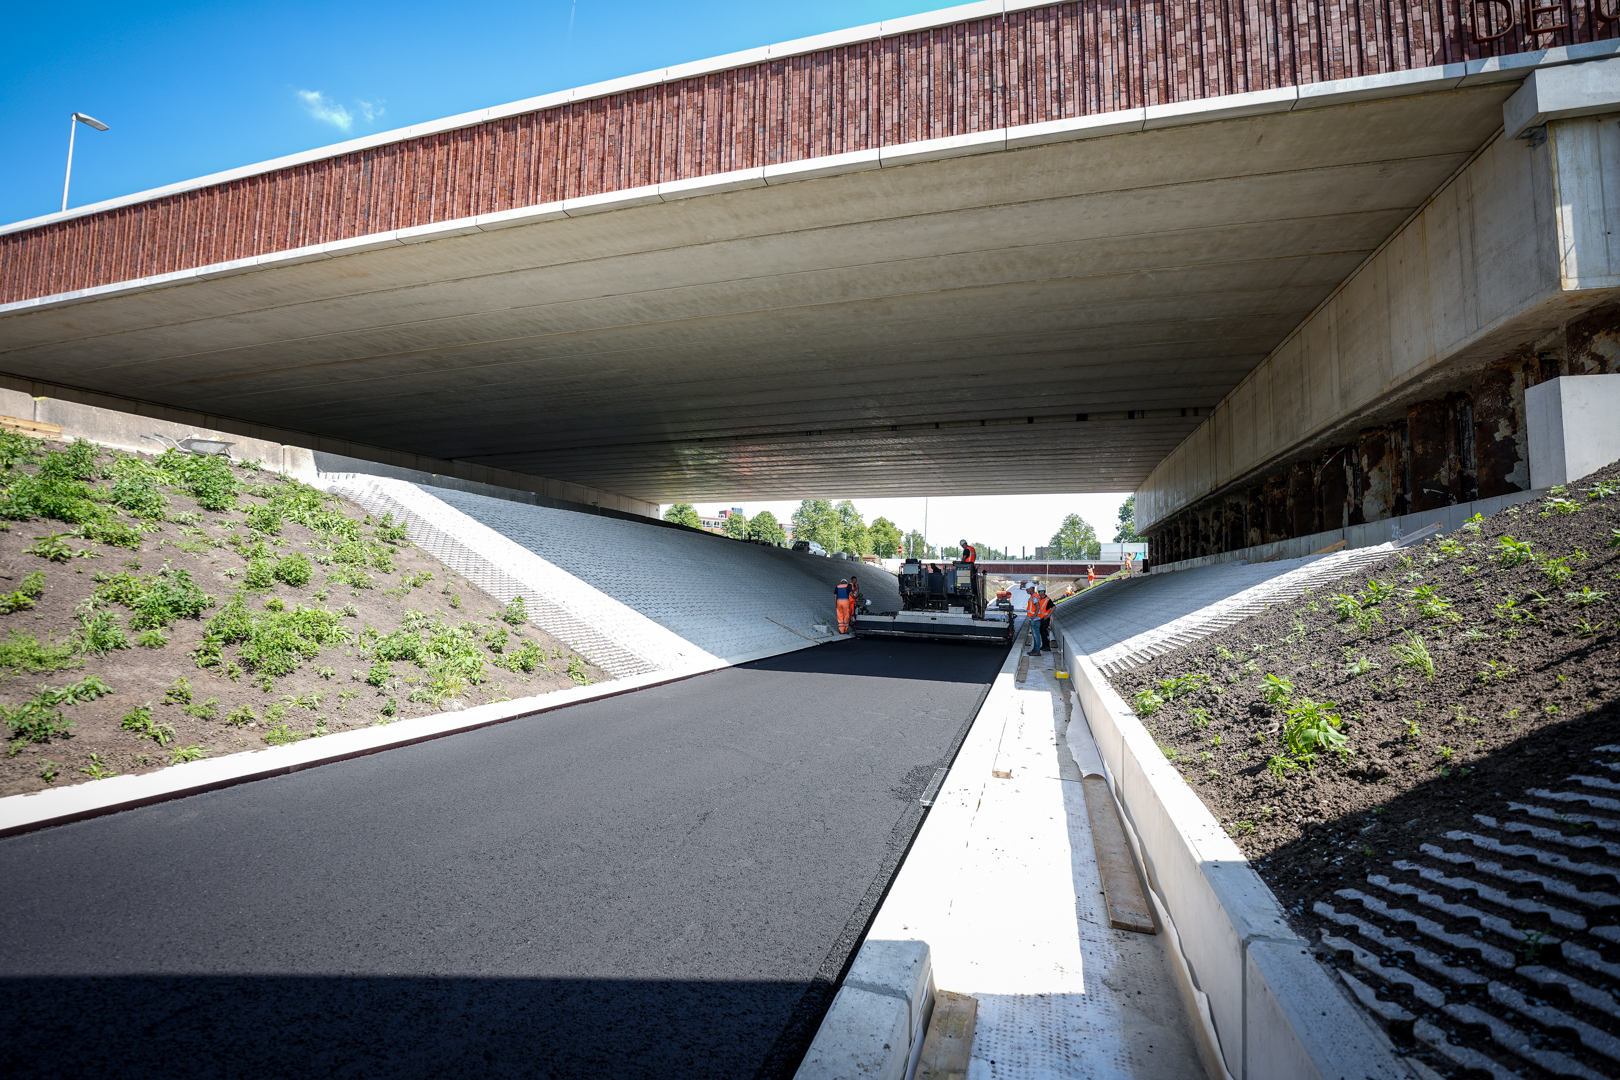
x: 1510, y: 706
x: 137, y: 675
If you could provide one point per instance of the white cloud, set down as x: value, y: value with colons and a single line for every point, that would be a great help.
x: 326, y: 110
x: 370, y: 110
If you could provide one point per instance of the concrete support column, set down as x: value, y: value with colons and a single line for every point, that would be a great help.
x: 1302, y: 514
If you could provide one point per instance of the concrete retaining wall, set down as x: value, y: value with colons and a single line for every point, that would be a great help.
x: 1371, y: 534
x: 1278, y: 1014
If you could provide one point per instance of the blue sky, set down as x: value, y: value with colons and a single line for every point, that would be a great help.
x: 191, y: 89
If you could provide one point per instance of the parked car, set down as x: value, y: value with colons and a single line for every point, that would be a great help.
x: 811, y: 546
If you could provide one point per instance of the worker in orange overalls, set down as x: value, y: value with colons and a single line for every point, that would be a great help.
x: 970, y: 554
x: 854, y: 594
x: 1038, y: 608
x: 1091, y: 574
x: 1069, y: 591
x: 846, y: 605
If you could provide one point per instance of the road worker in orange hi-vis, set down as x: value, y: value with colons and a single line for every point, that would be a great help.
x: 854, y: 593
x: 1044, y: 606
x: 1038, y: 608
x: 970, y: 554
x: 1091, y: 575
x: 845, y: 605
x: 1069, y: 590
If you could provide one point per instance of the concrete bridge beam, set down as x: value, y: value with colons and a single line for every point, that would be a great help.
x: 1404, y: 390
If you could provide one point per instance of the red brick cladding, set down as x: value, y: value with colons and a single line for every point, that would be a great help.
x: 1031, y: 66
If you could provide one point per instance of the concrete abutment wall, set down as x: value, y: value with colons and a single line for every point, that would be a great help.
x: 1404, y: 392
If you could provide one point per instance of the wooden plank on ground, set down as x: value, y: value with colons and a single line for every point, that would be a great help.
x: 31, y: 426
x: 948, y: 1045
x: 1331, y: 547
x: 1122, y: 889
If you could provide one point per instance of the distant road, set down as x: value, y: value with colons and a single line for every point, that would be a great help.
x: 660, y: 884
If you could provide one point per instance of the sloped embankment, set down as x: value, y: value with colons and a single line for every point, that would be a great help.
x: 1423, y: 762
x: 155, y: 610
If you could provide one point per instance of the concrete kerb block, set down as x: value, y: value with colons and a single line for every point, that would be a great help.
x: 897, y: 969
x: 1558, y: 93
x: 864, y: 1035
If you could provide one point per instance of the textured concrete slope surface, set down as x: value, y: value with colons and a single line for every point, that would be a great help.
x: 733, y: 600
x: 659, y: 884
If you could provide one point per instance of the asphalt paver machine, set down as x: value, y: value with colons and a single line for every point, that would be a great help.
x: 942, y: 600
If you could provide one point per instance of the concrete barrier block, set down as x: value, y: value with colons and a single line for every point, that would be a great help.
x: 1300, y: 1025
x: 865, y: 1036
x: 1572, y: 432
x: 897, y: 969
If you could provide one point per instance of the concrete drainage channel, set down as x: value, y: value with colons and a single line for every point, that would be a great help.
x: 1262, y: 1006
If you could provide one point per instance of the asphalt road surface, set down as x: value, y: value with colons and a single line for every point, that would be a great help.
x: 667, y: 883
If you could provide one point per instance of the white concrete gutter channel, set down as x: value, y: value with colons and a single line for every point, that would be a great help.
x: 1256, y: 1000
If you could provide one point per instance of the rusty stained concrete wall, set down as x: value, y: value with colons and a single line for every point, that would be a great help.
x: 1465, y: 444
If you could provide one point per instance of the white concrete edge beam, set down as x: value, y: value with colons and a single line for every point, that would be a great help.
x: 1333, y: 92
x: 1279, y: 1006
x: 95, y: 798
x: 1563, y: 93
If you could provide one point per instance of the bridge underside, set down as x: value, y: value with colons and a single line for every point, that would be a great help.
x: 1054, y: 318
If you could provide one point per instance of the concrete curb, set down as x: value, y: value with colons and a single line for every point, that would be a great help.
x: 877, y: 1022
x: 94, y: 798
x: 1278, y: 1014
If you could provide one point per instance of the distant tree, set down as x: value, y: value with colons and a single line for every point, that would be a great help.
x: 764, y: 527
x: 918, y: 548
x: 1075, y: 539
x: 683, y: 514
x: 736, y: 526
x: 1127, y: 523
x: 886, y: 537
x: 852, y: 529
x: 815, y: 519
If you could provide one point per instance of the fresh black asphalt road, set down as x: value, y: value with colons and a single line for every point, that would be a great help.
x: 666, y: 883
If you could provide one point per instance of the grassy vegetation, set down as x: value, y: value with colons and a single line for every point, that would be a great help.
x: 194, y: 585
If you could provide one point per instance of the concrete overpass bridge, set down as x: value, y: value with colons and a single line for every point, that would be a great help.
x: 1281, y: 269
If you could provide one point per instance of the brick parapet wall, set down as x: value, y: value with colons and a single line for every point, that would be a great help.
x: 1022, y: 67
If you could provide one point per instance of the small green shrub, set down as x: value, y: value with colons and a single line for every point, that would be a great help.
x: 100, y: 633
x: 517, y: 613
x: 1558, y: 571
x: 151, y: 639
x: 157, y: 600
x: 293, y: 570
x: 241, y: 716
x: 1276, y: 689
x: 178, y: 693
x: 1511, y: 552
x: 138, y: 488
x: 206, y: 477
x: 527, y: 656
x: 1345, y: 606
x: 110, y: 531
x: 181, y: 755
x: 577, y: 672
x: 1361, y: 665
x: 1147, y: 702
x: 139, y: 720
x: 1312, y: 727
x: 1413, y: 653
x: 97, y: 769
x: 28, y: 591
x: 390, y: 532
x: 1280, y: 765
x: 281, y: 735
x: 1586, y: 597
x: 379, y: 674
x: 203, y: 710
x: 53, y: 547
x: 36, y: 720
x: 1375, y: 593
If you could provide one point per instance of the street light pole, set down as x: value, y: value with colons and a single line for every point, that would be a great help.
x: 73, y: 129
